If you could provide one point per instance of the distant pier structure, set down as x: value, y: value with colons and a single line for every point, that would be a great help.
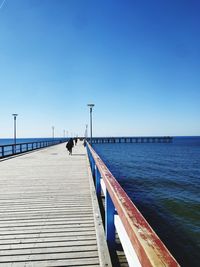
x: 150, y: 139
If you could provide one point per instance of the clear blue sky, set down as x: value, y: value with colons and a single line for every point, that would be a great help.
x: 137, y: 61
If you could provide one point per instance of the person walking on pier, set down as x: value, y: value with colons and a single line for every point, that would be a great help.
x: 70, y: 145
x: 84, y: 142
x: 76, y: 140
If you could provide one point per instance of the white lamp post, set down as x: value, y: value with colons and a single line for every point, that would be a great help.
x: 15, y: 127
x: 91, y: 107
x: 53, y: 128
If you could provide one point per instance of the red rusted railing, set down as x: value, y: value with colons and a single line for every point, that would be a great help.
x: 150, y: 250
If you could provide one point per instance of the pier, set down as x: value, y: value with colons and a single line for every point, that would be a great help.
x: 50, y: 216
x: 147, y: 139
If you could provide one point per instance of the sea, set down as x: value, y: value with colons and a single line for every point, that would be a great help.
x: 163, y: 181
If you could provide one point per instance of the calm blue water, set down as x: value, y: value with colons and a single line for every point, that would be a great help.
x: 163, y: 180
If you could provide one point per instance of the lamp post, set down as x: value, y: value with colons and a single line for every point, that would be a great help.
x: 53, y: 128
x: 90, y: 106
x: 86, y: 131
x: 15, y: 131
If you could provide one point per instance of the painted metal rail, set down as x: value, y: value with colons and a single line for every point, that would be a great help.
x: 141, y: 245
x: 13, y: 149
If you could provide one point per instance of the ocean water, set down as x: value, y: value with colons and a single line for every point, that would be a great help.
x: 163, y: 180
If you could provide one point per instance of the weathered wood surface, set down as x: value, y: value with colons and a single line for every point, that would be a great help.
x: 48, y: 211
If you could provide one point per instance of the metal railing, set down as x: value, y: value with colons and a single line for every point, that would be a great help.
x: 13, y: 149
x: 141, y: 245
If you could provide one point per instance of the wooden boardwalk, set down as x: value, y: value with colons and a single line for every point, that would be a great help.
x: 48, y: 211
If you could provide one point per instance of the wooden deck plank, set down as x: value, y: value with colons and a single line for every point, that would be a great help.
x: 47, y: 210
x: 33, y: 220
x: 94, y: 262
x: 48, y: 244
x: 53, y: 234
x: 45, y: 229
x: 46, y: 250
x: 47, y: 223
x: 47, y: 239
x: 49, y: 256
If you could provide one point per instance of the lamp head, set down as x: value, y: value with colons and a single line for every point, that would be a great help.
x: 91, y: 105
x: 15, y: 115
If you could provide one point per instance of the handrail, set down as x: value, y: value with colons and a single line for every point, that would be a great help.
x: 143, y: 241
x: 13, y: 149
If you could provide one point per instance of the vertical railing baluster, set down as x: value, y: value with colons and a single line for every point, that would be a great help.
x: 97, y: 182
x: 1, y: 152
x: 109, y: 222
x: 93, y: 167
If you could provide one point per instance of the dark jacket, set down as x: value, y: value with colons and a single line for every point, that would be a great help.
x: 70, y: 144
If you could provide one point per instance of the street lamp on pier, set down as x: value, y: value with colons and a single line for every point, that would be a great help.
x: 15, y: 127
x: 86, y: 131
x: 53, y: 128
x: 91, y: 107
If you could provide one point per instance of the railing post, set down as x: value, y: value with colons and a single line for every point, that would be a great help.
x: 13, y: 149
x: 2, y: 151
x: 92, y: 166
x: 109, y: 222
x: 97, y: 182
